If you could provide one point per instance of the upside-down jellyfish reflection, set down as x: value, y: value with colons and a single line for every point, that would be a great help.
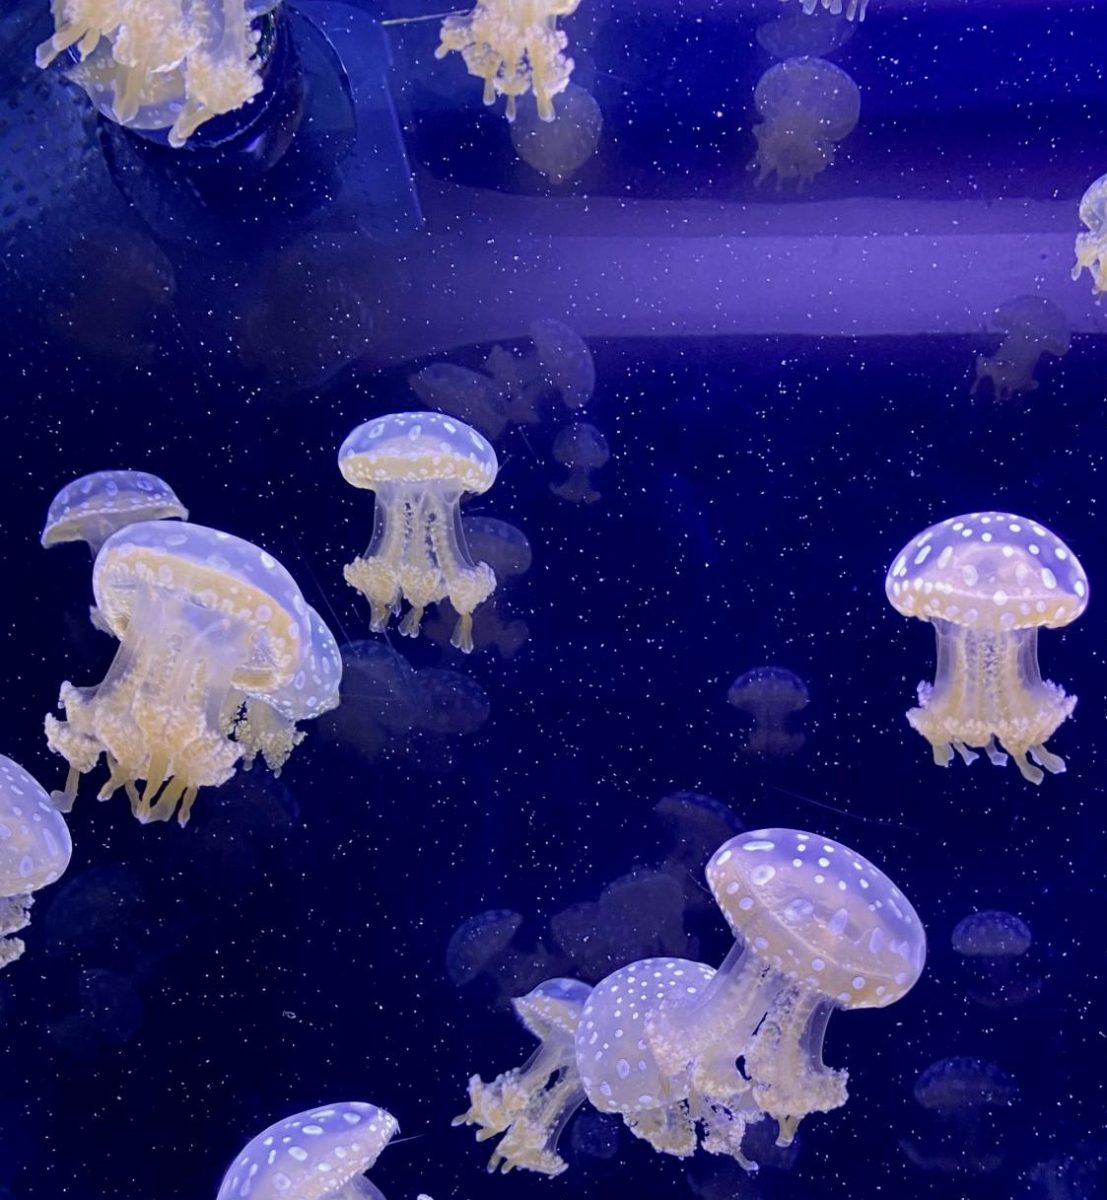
x: 1033, y: 327
x: 583, y: 449
x: 90, y: 509
x: 770, y: 695
x: 558, y: 149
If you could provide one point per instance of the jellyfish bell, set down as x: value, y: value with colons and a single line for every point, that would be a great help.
x: 793, y: 33
x: 90, y: 509
x: 987, y: 582
x: 470, y: 395
x: 558, y: 149
x: 1033, y: 327
x: 770, y: 695
x: 1091, y: 246
x: 565, y: 363
x: 479, y: 943
x: 583, y: 449
x: 994, y: 945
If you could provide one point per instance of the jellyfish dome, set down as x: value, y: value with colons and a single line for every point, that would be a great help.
x: 1091, y: 247
x: 320, y: 1154
x: 418, y: 465
x: 560, y: 148
x: 770, y: 695
x: 92, y: 508
x: 35, y: 849
x: 987, y: 582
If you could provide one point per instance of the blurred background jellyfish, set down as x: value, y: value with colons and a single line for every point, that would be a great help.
x: 558, y: 149
x: 1091, y: 247
x: 107, y: 1014
x: 558, y: 366
x: 792, y: 33
x: 489, y: 947
x: 582, y: 448
x: 994, y: 945
x: 695, y: 824
x: 418, y: 465
x: 1077, y: 1174
x: 853, y: 9
x: 817, y: 928
x: 470, y: 395
x: 320, y: 1154
x: 1033, y: 327
x: 807, y: 106
x: 35, y: 849
x: 92, y: 508
x: 206, y: 621
x: 987, y: 582
x: 770, y: 695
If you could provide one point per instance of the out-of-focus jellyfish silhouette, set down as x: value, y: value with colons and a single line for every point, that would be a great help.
x: 770, y: 695
x: 987, y: 582
x: 34, y: 852
x: 807, y: 106
x: 582, y: 448
x: 515, y: 48
x: 489, y: 947
x: 1033, y: 327
x: 854, y: 8
x: 90, y: 509
x: 994, y: 945
x: 559, y: 365
x: 471, y: 395
x: 1091, y: 247
x: 594, y: 1135
x: 695, y: 825
x: 107, y: 1014
x: 418, y: 465
x: 817, y: 928
x: 1079, y: 1174
x: 795, y: 34
x: 207, y: 623
x: 320, y: 1154
x: 558, y: 149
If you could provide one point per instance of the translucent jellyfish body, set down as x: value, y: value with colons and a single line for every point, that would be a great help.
x: 470, y: 395
x: 560, y: 365
x: 771, y: 695
x: 515, y: 47
x: 419, y: 465
x: 994, y: 946
x: 207, y: 622
x: 92, y: 508
x: 987, y: 582
x: 807, y: 106
x: 583, y: 449
x: 1033, y: 327
x: 817, y: 927
x: 1091, y: 247
x: 795, y: 34
x: 558, y: 149
x: 320, y: 1154
x: 34, y: 851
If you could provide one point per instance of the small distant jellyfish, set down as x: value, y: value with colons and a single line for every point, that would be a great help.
x: 320, y: 1154
x: 419, y: 465
x: 770, y: 695
x: 583, y: 449
x: 1091, y: 247
x: 987, y: 582
x: 817, y: 928
x: 994, y: 944
x: 34, y: 851
x: 460, y: 392
x: 560, y: 148
x: 92, y: 508
x: 1033, y: 327
x: 807, y: 106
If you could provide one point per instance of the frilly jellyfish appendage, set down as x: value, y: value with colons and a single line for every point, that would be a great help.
x: 531, y: 1105
x: 853, y: 9
x: 1091, y: 247
x: 1033, y: 327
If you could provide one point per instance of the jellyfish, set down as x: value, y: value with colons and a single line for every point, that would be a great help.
x: 994, y: 945
x: 583, y: 449
x: 479, y: 942
x: 558, y: 365
x: 320, y: 1154
x: 770, y: 695
x: 854, y: 9
x: 695, y: 824
x: 807, y: 105
x: 987, y: 581
x: 35, y: 849
x: 1091, y: 247
x: 460, y: 392
x: 817, y: 928
x: 1033, y: 327
x: 206, y: 623
x: 108, y: 1014
x: 515, y: 47
x: 531, y: 1105
x: 794, y: 34
x: 418, y: 465
x: 559, y: 149
x: 92, y: 508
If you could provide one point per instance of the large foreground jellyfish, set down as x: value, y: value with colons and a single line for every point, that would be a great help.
x: 419, y: 465
x: 208, y: 624
x: 1091, y: 247
x: 92, y: 508
x: 1032, y: 327
x: 320, y: 1154
x: 770, y: 695
x: 987, y: 582
x: 34, y: 851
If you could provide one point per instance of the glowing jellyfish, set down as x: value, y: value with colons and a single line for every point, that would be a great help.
x: 419, y: 465
x: 1033, y: 327
x: 320, y: 1154
x: 92, y: 508
x: 817, y: 928
x: 583, y: 449
x: 206, y: 622
x: 34, y: 851
x: 531, y: 1105
x: 515, y: 47
x: 794, y: 34
x: 107, y: 1015
x: 1091, y: 247
x: 479, y: 943
x: 560, y: 148
x: 807, y: 106
x: 987, y: 582
x: 994, y: 945
x: 771, y: 695
x: 854, y: 9
x: 470, y: 395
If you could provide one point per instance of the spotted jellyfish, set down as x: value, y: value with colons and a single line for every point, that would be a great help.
x: 987, y: 582
x: 90, y: 509
x: 320, y: 1154
x: 817, y: 928
x: 1091, y: 247
x: 770, y: 695
x: 418, y: 465
x: 34, y: 851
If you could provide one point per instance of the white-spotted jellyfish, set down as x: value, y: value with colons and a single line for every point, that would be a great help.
x: 1032, y: 327
x: 582, y: 448
x: 92, y: 508
x: 771, y: 695
x: 1091, y: 247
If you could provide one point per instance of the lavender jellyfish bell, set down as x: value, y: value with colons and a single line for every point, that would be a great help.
x: 90, y: 509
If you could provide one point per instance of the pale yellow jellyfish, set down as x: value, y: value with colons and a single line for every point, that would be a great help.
x: 419, y: 465
x: 987, y: 582
x: 1091, y: 247
x: 559, y: 149
x: 1033, y: 327
x: 515, y: 47
x: 93, y: 507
